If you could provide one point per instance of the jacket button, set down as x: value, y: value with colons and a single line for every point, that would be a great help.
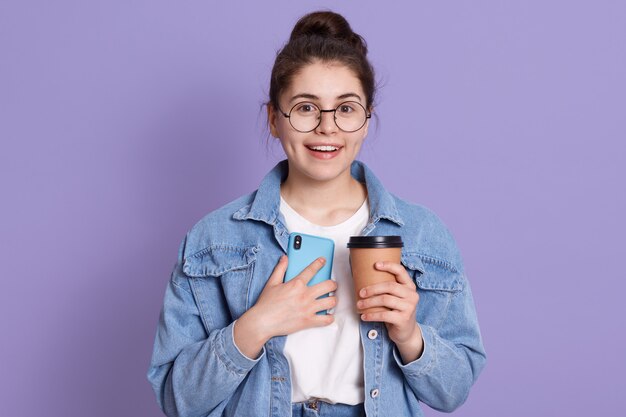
x: 372, y: 334
x: 374, y: 393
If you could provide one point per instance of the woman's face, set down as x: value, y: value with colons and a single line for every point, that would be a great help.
x: 326, y: 85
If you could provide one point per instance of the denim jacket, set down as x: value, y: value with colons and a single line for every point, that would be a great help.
x: 223, y: 265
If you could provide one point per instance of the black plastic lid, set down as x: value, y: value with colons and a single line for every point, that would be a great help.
x: 375, y: 242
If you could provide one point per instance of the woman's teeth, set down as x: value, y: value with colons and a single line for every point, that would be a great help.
x: 323, y: 148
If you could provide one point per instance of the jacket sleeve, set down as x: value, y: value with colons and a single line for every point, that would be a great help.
x: 452, y: 359
x: 194, y: 370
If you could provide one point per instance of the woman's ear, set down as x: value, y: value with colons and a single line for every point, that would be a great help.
x: 367, y: 123
x: 271, y: 119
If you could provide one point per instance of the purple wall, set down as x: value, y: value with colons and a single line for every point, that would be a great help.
x: 122, y: 123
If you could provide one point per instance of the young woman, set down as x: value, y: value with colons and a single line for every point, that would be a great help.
x: 235, y: 340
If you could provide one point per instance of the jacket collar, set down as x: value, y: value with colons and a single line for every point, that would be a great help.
x: 266, y: 203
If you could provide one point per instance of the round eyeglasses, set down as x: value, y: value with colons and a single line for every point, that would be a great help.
x: 349, y: 116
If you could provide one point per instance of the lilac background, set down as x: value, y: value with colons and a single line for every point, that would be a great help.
x: 122, y: 123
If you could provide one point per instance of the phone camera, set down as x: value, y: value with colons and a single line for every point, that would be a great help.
x: 297, y: 242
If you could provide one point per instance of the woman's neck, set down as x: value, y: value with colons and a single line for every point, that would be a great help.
x: 324, y: 203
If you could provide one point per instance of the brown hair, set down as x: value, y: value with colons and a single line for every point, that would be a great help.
x: 324, y: 36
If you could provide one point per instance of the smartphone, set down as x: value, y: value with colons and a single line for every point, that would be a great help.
x: 303, y: 250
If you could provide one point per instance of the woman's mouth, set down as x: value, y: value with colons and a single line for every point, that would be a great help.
x: 323, y: 151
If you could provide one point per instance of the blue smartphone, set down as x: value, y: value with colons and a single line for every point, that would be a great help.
x: 304, y: 249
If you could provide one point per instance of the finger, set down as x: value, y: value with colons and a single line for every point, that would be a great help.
x: 309, y: 272
x: 278, y: 274
x: 397, y: 269
x: 325, y: 303
x: 391, y: 317
x: 321, y: 320
x: 393, y: 288
x: 323, y: 287
x: 385, y: 300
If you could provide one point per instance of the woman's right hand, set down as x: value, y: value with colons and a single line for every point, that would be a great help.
x: 285, y: 307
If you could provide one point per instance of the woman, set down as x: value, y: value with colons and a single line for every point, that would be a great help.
x: 235, y: 340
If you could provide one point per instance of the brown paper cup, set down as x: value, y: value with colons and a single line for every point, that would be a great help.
x: 365, y: 251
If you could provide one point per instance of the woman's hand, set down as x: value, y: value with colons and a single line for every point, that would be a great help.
x: 286, y: 307
x: 401, y: 299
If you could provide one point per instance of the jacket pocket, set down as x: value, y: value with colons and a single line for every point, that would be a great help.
x: 220, y: 279
x: 437, y: 282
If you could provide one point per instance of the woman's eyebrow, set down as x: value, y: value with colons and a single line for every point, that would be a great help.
x: 304, y: 95
x: 349, y: 95
x: 314, y: 97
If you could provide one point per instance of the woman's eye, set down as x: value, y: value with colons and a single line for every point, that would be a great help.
x: 346, y: 108
x: 306, y: 108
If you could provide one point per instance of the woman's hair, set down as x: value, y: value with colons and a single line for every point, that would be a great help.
x: 327, y: 37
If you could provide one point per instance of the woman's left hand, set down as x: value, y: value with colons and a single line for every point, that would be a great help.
x: 400, y: 298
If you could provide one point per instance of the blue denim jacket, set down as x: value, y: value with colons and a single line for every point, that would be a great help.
x: 223, y: 265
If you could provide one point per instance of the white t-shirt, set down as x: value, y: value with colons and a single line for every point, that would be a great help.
x: 326, y: 363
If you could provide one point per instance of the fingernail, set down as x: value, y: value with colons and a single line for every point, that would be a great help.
x: 379, y: 264
x: 363, y: 292
x: 322, y: 260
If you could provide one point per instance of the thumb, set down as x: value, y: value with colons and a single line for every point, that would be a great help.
x: 278, y: 274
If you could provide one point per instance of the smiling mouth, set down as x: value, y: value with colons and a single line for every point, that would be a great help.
x: 324, y: 148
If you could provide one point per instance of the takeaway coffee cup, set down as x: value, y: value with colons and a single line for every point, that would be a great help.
x: 365, y: 251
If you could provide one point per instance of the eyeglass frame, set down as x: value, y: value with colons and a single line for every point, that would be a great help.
x: 368, y: 115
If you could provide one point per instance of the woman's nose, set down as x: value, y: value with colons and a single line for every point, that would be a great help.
x: 327, y: 122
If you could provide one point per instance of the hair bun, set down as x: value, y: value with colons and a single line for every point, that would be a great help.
x: 328, y: 25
